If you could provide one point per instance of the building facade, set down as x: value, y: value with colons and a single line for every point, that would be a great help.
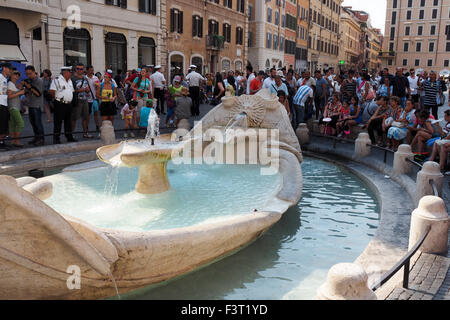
x: 350, y: 39
x: 114, y: 34
x: 323, y: 41
x: 417, y: 35
x: 301, y: 54
x: 267, y: 36
x: 209, y: 34
x: 290, y: 24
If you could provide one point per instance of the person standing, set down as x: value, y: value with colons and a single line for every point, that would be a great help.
x: 34, y: 88
x: 80, y: 107
x: 107, y: 93
x: 94, y: 107
x: 400, y: 86
x: 432, y: 89
x: 257, y: 82
x: 250, y: 77
x: 47, y: 79
x: 195, y: 79
x: 320, y: 98
x: 414, y: 85
x: 62, y: 90
x: 160, y: 82
x: 4, y: 112
x: 269, y: 81
x: 348, y: 88
x: 302, y: 100
x: 16, y: 124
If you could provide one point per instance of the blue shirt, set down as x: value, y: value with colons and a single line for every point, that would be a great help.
x: 303, y: 93
x: 319, y: 84
x: 274, y: 89
x: 383, y: 90
x: 145, y: 112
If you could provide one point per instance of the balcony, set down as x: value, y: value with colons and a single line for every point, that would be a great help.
x: 215, y: 42
x: 386, y: 54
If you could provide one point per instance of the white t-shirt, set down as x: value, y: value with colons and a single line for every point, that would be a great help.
x: 249, y: 80
x: 194, y: 78
x: 63, y: 89
x: 413, y: 85
x: 158, y: 79
x: 268, y: 83
x: 238, y: 83
x: 3, y: 91
x: 92, y: 81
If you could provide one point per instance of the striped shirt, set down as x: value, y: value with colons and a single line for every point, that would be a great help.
x: 349, y: 90
x: 303, y: 93
x: 431, y: 90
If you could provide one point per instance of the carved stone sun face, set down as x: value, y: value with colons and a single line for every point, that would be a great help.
x: 254, y: 107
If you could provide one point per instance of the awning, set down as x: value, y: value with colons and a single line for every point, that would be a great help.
x: 11, y: 53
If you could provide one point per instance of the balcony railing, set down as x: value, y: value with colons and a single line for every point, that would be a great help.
x: 386, y: 54
x: 215, y: 42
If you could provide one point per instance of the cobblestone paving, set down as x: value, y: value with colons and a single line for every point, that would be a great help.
x: 429, y: 279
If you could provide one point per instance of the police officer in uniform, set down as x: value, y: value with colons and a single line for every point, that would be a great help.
x: 62, y: 90
x: 195, y: 80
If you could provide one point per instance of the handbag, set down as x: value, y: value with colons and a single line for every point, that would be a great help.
x: 440, y: 99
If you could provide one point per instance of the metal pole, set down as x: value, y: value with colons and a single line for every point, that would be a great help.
x: 406, y: 275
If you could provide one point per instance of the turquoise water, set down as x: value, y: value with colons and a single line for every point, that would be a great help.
x: 333, y: 223
x: 105, y: 197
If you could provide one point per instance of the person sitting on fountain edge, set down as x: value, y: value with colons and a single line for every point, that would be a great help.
x: 129, y: 115
x: 144, y: 114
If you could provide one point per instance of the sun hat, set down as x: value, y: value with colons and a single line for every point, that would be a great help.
x: 177, y: 79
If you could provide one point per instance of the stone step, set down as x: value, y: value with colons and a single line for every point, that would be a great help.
x: 48, y: 161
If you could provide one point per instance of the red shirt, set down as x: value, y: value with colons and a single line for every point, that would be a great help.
x: 255, y: 85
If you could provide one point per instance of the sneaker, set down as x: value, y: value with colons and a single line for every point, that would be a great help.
x: 132, y: 135
x: 125, y: 135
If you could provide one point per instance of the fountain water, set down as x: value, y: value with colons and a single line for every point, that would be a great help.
x: 240, y: 120
x: 152, y: 127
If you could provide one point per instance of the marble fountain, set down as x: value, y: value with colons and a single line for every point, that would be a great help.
x: 41, y: 239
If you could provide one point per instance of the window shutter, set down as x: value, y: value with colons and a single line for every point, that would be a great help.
x: 200, y: 28
x: 237, y: 35
x: 172, y: 20
x: 153, y: 7
x: 194, y: 26
x: 141, y: 5
x: 123, y: 4
x: 229, y: 33
x: 180, y: 22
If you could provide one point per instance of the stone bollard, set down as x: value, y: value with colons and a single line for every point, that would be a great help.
x: 430, y: 171
x: 401, y: 166
x: 362, y: 145
x: 303, y: 133
x: 346, y: 281
x: 107, y: 134
x: 430, y: 212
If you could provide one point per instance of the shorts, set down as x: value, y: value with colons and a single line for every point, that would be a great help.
x: 209, y: 89
x: 15, y: 120
x: 81, y: 110
x: 4, y: 119
x: 108, y: 109
x: 415, y: 98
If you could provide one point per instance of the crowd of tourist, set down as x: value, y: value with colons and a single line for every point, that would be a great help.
x: 392, y: 108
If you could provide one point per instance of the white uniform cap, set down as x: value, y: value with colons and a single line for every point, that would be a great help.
x: 193, y: 66
x: 158, y: 67
x: 66, y: 68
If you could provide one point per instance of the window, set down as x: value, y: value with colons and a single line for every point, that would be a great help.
x: 435, y: 2
x: 394, y: 4
x: 213, y: 27
x: 226, y: 65
x: 269, y: 15
x: 239, y: 35
x: 146, y: 51
x: 394, y: 17
x: 277, y: 18
x: 250, y: 13
x: 430, y: 62
x: 407, y: 30
x: 421, y: 14
x: 391, y: 46
x: 275, y: 42
x: 241, y: 6
x: 390, y: 62
x: 392, y: 37
x: 227, y: 32
x: 37, y: 34
x: 410, y: 3
x: 197, y: 26
x: 228, y: 3
x: 434, y: 14
x: 418, y: 46
x: 447, y: 47
x: 422, y: 3
x: 269, y: 40
x: 197, y: 61
x: 405, y: 62
x: 417, y: 62
x: 77, y: 47
x: 446, y: 63
x: 116, y: 51
x: 408, y: 15
x: 117, y: 3
x: 419, y: 30
x: 147, y: 6
x: 281, y: 43
x: 433, y: 30
x: 10, y: 32
x: 406, y: 47
x: 250, y: 39
x: 431, y: 47
x: 176, y: 20
x: 238, y: 65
